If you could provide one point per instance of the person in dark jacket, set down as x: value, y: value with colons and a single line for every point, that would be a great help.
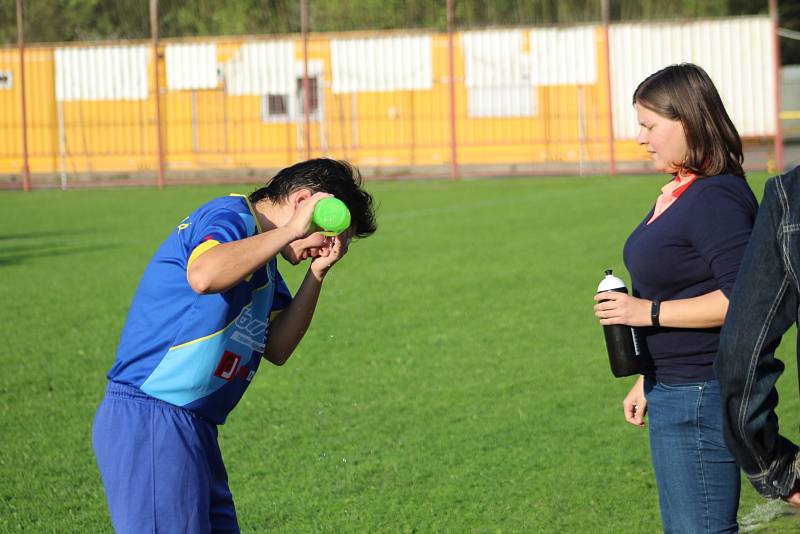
x: 764, y: 305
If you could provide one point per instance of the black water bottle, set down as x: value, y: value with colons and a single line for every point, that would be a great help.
x: 621, y: 342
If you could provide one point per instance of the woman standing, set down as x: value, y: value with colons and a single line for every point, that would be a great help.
x: 683, y: 259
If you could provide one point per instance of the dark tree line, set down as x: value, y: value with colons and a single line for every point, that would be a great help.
x: 83, y: 20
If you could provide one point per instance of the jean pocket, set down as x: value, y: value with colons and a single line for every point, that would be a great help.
x: 689, y: 386
x: 674, y: 407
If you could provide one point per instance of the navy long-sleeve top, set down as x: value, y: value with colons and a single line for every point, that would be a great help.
x: 691, y: 249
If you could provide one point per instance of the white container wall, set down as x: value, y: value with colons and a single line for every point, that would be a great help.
x: 529, y: 99
x: 101, y: 73
x: 737, y: 53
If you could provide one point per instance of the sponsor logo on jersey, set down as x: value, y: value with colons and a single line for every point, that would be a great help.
x: 246, y: 374
x: 184, y: 225
x: 228, y: 365
x: 250, y: 331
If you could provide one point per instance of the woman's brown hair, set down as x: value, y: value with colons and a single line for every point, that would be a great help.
x: 686, y: 93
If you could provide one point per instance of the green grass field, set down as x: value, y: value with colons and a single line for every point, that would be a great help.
x: 454, y: 378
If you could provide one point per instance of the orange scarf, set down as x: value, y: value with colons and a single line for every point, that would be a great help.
x: 670, y: 193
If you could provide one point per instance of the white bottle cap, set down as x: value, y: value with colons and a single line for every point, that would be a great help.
x: 610, y: 283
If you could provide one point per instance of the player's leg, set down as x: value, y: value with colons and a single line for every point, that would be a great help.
x: 153, y: 465
x: 223, y: 512
x: 222, y: 509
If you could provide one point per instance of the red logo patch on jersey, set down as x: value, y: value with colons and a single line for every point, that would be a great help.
x: 246, y: 374
x: 228, y: 365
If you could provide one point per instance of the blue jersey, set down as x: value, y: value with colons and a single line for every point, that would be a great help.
x: 196, y: 351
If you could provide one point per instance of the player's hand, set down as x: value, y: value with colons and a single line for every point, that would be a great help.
x: 300, y: 223
x: 794, y: 495
x: 634, y: 405
x: 793, y: 499
x: 333, y: 251
x: 621, y: 308
x: 304, y: 248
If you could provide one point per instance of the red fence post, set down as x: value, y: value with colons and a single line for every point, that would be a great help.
x: 157, y: 81
x: 612, y: 158
x: 778, y: 141
x: 451, y: 64
x: 306, y: 84
x: 26, y: 171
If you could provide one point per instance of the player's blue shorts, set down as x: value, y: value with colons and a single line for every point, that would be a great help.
x: 161, y: 466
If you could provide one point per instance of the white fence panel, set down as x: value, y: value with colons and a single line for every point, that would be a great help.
x: 736, y: 52
x: 191, y: 66
x: 261, y: 68
x: 497, y: 77
x: 403, y: 63
x: 101, y: 73
x: 561, y: 56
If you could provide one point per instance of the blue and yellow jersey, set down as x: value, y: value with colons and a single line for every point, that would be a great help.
x: 196, y: 351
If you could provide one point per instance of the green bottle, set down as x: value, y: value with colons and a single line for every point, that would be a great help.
x: 332, y: 215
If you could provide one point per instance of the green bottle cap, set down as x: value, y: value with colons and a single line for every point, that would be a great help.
x: 332, y: 216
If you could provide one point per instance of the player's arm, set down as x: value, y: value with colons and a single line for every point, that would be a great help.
x: 289, y: 326
x: 218, y: 268
x: 222, y: 266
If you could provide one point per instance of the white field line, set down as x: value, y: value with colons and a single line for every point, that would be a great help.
x: 505, y: 201
x: 517, y: 198
x: 454, y: 208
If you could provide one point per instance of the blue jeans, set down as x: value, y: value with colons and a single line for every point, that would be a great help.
x: 698, y: 481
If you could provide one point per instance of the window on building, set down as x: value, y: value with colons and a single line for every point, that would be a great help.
x: 276, y: 105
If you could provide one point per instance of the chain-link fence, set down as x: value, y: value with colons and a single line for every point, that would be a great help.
x: 186, y: 91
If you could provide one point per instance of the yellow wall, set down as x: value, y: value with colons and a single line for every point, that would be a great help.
x: 396, y: 128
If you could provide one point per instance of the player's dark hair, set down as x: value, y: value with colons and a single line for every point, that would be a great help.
x: 338, y: 178
x: 686, y: 93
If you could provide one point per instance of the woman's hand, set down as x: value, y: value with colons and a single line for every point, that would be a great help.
x: 635, y: 405
x: 621, y: 308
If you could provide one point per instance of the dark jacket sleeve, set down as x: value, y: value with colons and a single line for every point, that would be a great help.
x: 763, y: 306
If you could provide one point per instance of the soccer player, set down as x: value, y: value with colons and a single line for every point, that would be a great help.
x: 210, y: 304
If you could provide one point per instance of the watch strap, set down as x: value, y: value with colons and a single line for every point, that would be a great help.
x: 655, y: 310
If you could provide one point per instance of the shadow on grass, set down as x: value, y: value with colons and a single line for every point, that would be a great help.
x: 20, y: 254
x: 43, y: 234
x: 15, y: 248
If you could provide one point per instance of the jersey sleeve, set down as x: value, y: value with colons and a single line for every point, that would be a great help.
x: 223, y: 226
x: 721, y: 228
x: 283, y: 297
x: 215, y: 227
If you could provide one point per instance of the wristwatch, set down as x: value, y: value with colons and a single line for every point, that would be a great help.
x: 655, y: 309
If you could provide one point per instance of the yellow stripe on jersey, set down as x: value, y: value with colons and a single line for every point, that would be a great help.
x: 203, y: 247
x: 218, y: 332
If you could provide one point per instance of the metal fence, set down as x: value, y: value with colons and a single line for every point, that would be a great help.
x: 534, y: 99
